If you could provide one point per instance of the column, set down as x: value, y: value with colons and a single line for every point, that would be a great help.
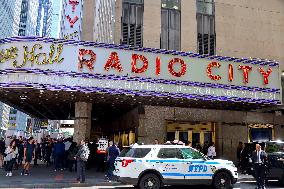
x: 82, y: 124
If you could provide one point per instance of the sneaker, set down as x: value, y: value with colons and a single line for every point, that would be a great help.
x: 10, y: 174
x: 61, y: 169
x: 55, y: 170
x: 7, y: 174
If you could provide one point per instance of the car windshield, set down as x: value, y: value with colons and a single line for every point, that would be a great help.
x: 189, y: 153
x: 274, y: 147
x: 134, y: 152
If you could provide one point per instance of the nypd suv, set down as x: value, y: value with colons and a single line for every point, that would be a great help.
x: 153, y: 166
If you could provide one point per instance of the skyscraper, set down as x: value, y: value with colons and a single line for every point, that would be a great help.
x: 9, y: 18
x: 28, y: 18
x: 44, y: 18
x: 56, y: 15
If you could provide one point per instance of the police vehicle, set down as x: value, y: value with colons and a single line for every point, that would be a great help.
x: 153, y: 166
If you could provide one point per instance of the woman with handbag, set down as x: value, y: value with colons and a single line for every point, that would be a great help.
x: 11, y: 154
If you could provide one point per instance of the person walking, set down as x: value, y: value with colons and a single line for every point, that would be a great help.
x: 59, y: 150
x: 82, y: 157
x: 73, y: 150
x: 112, y: 153
x: 211, y: 152
x: 11, y: 154
x: 2, y: 150
x: 21, y: 151
x: 29, y: 155
x: 239, y: 152
x: 67, y: 144
x: 48, y: 152
x: 259, y: 159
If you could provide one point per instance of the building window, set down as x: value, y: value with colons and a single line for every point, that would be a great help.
x: 206, y: 36
x: 171, y: 24
x: 132, y: 22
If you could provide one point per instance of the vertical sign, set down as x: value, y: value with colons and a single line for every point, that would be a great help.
x: 71, y: 22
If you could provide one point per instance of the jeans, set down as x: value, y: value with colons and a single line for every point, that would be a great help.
x: 81, y: 170
x: 9, y: 165
x: 58, y: 161
x: 110, y: 169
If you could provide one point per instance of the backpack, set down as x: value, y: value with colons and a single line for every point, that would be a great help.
x: 84, y: 156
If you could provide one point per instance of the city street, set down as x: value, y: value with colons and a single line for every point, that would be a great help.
x: 42, y: 177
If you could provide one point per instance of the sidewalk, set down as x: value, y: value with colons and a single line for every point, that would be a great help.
x: 46, y: 177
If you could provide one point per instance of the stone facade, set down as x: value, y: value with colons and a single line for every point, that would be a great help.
x: 243, y: 28
x: 250, y: 28
x: 82, y: 123
x: 231, y: 126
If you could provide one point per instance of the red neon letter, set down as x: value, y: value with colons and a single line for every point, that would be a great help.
x: 231, y: 72
x: 246, y: 70
x: 113, y: 58
x: 73, y: 3
x: 209, y: 71
x: 135, y: 57
x: 90, y: 62
x: 158, y: 66
x: 72, y: 21
x: 171, y: 69
x: 265, y: 74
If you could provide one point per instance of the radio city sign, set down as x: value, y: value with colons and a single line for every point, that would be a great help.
x: 97, y: 67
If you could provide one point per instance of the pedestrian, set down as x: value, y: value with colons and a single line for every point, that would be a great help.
x: 239, y: 152
x: 187, y: 143
x: 29, y: 155
x: 112, y: 153
x: 156, y: 141
x: 211, y: 152
x: 48, y: 152
x: 67, y: 144
x: 205, y: 147
x: 82, y: 157
x: 21, y: 151
x: 11, y: 154
x: 259, y: 159
x: 59, y: 150
x: 73, y: 150
x: 2, y: 150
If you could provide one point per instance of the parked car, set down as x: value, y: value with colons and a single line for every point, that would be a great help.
x: 152, y: 166
x: 275, y: 153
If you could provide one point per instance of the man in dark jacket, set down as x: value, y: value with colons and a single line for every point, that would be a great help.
x: 112, y: 153
x: 259, y: 159
x: 59, y: 150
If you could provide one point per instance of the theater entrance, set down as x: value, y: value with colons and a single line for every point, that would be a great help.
x: 195, y: 132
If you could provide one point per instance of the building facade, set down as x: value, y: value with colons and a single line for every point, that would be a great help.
x: 28, y: 18
x: 56, y: 16
x: 10, y: 18
x: 44, y: 18
x: 227, y: 28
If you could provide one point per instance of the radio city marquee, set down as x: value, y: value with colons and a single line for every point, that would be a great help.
x: 116, y: 69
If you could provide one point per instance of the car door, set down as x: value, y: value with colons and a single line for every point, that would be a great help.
x: 197, y: 169
x: 170, y: 164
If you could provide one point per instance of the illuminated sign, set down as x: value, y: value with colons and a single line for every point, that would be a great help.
x: 71, y: 21
x: 96, y: 67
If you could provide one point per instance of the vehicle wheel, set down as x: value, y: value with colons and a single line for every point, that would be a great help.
x: 222, y: 180
x: 149, y: 181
